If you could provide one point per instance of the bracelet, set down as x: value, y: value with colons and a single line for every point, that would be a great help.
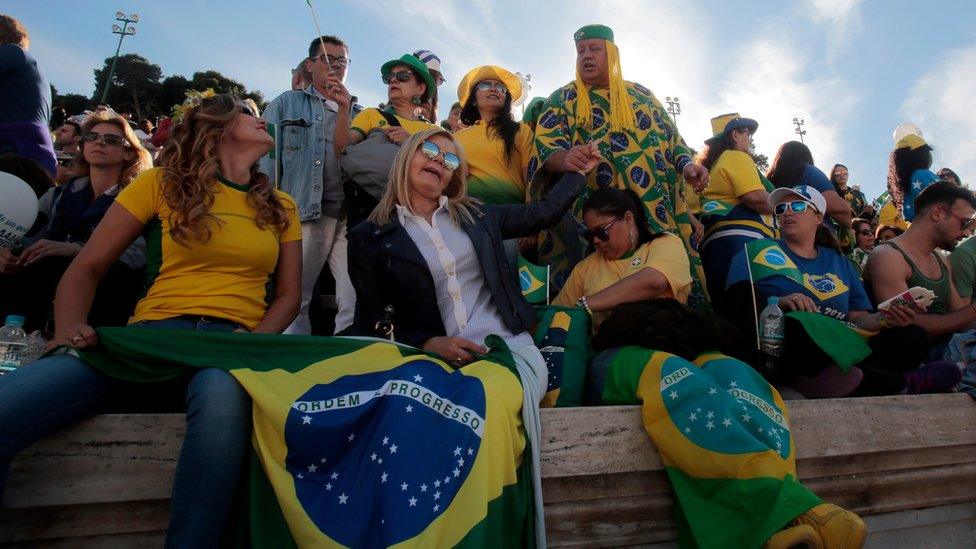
x: 882, y: 320
x: 582, y: 304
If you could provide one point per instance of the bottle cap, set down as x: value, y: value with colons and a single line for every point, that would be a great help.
x: 773, y: 300
x: 15, y: 320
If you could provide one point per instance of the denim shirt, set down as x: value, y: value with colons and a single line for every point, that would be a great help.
x: 308, y: 169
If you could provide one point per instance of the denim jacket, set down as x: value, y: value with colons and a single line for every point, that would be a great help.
x: 304, y: 151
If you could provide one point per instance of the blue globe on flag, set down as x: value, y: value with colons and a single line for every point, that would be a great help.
x: 775, y: 257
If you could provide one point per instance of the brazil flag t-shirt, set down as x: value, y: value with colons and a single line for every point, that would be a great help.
x: 829, y: 279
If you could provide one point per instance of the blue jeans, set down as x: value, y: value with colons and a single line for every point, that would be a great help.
x: 61, y: 390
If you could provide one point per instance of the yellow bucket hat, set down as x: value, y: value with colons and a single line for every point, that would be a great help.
x: 911, y: 141
x: 724, y: 123
x: 486, y: 72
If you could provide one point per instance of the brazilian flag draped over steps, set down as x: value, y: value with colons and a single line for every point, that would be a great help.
x: 724, y: 436
x: 360, y: 443
x: 563, y: 338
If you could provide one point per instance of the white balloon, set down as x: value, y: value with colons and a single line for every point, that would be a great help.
x: 18, y: 209
x: 906, y: 128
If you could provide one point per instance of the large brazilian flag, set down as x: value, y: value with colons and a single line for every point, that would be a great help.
x: 357, y: 442
x: 724, y: 436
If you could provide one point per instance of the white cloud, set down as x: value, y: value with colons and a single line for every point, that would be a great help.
x: 824, y: 10
x: 940, y: 102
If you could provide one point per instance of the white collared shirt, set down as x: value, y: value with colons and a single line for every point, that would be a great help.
x: 463, y: 299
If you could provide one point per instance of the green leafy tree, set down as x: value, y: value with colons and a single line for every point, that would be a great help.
x: 134, y: 85
x: 761, y: 160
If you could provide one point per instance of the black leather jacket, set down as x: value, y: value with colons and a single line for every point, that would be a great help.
x: 387, y: 268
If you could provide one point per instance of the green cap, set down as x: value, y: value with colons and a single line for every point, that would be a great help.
x: 587, y: 32
x: 417, y: 66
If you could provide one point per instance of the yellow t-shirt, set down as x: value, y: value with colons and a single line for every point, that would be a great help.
x: 370, y: 119
x: 224, y: 277
x: 889, y: 215
x: 732, y: 175
x: 491, y: 177
x: 665, y: 254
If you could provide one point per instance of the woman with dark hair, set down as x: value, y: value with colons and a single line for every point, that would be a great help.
x: 946, y: 174
x: 496, y: 147
x: 218, y: 232
x: 839, y: 178
x: 885, y: 233
x: 793, y: 165
x: 630, y: 263
x: 863, y: 241
x: 109, y: 158
x: 733, y: 206
x: 409, y: 85
x: 909, y: 173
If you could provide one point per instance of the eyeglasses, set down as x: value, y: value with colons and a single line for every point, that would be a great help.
x: 484, y: 85
x: 66, y: 162
x: 400, y: 76
x: 798, y: 206
x: 865, y: 232
x: 601, y: 233
x: 431, y: 151
x: 964, y: 222
x: 105, y: 139
x: 246, y: 110
x: 333, y: 61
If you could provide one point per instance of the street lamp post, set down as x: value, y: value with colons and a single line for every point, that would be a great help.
x: 123, y: 31
x: 799, y: 122
x: 674, y: 107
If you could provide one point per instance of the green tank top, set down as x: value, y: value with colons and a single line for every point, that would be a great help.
x: 940, y: 287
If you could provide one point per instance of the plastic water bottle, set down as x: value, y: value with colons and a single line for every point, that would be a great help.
x: 13, y: 343
x: 771, y: 329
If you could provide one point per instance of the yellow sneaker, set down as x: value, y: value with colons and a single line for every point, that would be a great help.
x: 801, y: 536
x: 838, y: 528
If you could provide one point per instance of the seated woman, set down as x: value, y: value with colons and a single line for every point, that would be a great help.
x: 630, y: 263
x: 217, y: 233
x: 733, y: 206
x: 832, y: 287
x: 109, y: 158
x: 863, y: 240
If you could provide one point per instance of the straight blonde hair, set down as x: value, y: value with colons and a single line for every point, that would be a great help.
x: 141, y: 159
x: 460, y: 207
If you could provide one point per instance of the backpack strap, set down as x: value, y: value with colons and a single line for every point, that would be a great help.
x: 391, y: 119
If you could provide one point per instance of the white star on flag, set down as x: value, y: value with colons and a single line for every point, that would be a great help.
x: 373, y: 457
x: 727, y: 422
x: 710, y: 425
x: 423, y: 487
x: 437, y: 508
x: 312, y: 468
x: 457, y: 451
x: 733, y: 384
x: 437, y: 495
x: 334, y: 476
x: 403, y: 487
x: 383, y: 477
x: 693, y: 417
x: 418, y: 378
x: 393, y: 448
x: 712, y: 391
x: 300, y: 476
x: 437, y: 484
x: 460, y: 462
x: 688, y: 429
x: 328, y: 486
x: 351, y: 437
x: 447, y: 480
x: 470, y: 451
x: 306, y: 420
x: 409, y: 408
x: 385, y: 440
x: 413, y: 501
x: 457, y: 473
x: 673, y: 395
x: 760, y: 429
x: 746, y: 417
x: 323, y: 460
x: 342, y: 498
x: 379, y: 460
x: 709, y: 415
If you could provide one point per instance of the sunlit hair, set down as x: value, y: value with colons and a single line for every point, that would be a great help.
x: 190, y: 167
x: 460, y: 207
x: 137, y: 157
x: 12, y: 31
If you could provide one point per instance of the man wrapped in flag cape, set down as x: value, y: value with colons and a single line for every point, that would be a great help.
x: 639, y: 145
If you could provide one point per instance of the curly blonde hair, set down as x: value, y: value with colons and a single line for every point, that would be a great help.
x: 190, y: 168
x: 139, y: 159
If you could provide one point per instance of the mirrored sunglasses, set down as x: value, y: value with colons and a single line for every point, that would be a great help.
x: 798, y: 206
x: 431, y: 151
x: 485, y: 86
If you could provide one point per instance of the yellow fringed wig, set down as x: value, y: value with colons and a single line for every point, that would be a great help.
x: 621, y: 114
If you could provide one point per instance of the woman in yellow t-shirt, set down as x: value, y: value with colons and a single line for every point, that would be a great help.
x: 630, y: 263
x: 733, y: 210
x: 408, y: 85
x: 213, y: 246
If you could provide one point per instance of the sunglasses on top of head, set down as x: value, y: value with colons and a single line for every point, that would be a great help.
x: 399, y: 76
x: 601, y: 233
x: 105, y: 139
x: 431, y: 151
x: 797, y: 206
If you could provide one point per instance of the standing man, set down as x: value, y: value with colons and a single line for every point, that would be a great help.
x: 25, y: 99
x: 641, y: 148
x: 308, y: 170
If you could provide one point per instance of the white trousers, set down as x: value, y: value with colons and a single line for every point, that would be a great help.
x: 324, y: 240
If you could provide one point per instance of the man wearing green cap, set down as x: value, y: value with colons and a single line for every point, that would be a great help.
x: 640, y: 145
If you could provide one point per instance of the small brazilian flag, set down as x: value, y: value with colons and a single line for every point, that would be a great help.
x: 357, y: 442
x: 767, y: 258
x: 724, y: 436
x: 533, y: 281
x: 563, y: 339
x: 716, y: 207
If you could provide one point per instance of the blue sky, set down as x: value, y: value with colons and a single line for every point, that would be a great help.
x: 852, y: 69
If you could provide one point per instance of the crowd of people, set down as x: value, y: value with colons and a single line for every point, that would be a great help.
x: 421, y: 226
